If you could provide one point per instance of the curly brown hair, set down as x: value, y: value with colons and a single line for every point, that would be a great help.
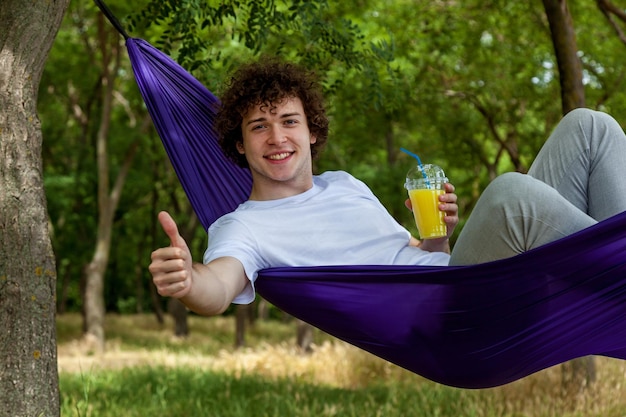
x: 268, y: 82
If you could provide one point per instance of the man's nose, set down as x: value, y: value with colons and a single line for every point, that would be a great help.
x: 277, y: 136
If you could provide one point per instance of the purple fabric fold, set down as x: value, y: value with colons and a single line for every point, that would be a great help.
x: 183, y: 111
x: 475, y: 326
x: 472, y: 327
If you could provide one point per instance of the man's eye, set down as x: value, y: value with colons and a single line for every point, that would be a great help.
x: 291, y: 122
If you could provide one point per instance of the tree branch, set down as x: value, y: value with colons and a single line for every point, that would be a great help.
x: 609, y: 10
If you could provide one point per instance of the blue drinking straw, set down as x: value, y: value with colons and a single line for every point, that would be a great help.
x: 419, y: 162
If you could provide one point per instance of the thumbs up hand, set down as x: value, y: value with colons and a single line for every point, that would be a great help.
x: 171, y: 267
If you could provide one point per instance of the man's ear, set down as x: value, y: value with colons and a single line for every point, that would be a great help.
x: 240, y: 148
x: 312, y: 139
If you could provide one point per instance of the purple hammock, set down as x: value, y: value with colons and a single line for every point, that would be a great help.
x: 474, y: 326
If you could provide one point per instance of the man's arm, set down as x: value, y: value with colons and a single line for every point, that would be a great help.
x: 205, y: 289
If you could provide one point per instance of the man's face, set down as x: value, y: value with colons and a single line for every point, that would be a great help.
x: 277, y: 145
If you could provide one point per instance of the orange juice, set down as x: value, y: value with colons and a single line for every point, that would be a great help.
x: 428, y: 217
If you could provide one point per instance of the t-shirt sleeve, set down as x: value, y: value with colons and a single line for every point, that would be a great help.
x: 229, y: 237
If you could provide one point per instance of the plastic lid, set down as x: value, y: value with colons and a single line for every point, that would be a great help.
x: 425, y: 173
x: 429, y: 171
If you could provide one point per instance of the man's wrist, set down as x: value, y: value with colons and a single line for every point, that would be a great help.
x: 436, y: 245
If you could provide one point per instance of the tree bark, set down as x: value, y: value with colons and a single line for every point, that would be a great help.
x: 566, y: 52
x: 28, y: 357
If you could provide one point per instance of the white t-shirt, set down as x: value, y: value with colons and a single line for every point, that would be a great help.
x: 339, y: 221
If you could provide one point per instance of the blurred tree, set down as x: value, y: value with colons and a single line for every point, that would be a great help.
x: 28, y: 370
x: 94, y: 108
x: 566, y: 52
x: 110, y: 47
x: 94, y: 119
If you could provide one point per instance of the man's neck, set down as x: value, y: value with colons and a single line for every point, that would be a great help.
x: 264, y: 191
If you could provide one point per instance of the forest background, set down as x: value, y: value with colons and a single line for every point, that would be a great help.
x: 474, y: 86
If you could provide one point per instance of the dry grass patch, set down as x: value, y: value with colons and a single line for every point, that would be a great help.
x: 272, y: 354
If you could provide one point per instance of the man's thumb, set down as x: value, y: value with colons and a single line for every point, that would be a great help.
x: 171, y: 229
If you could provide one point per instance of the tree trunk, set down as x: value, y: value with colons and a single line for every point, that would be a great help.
x: 243, y: 315
x: 304, y: 337
x: 579, y: 373
x: 96, y: 269
x: 94, y: 307
x: 566, y: 52
x: 108, y: 198
x: 28, y: 362
x: 179, y: 313
x: 140, y: 280
x: 263, y: 309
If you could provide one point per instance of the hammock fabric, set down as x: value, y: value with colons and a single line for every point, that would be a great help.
x: 471, y: 327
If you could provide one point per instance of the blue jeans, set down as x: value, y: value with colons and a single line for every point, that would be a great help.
x: 577, y: 179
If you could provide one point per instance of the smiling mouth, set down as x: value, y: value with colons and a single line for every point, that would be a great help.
x: 279, y: 156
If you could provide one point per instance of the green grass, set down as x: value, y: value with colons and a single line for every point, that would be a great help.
x: 172, y: 377
x: 186, y: 392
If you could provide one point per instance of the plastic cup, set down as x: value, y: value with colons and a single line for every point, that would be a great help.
x: 425, y: 183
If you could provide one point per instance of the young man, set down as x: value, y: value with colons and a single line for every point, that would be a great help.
x: 273, y: 121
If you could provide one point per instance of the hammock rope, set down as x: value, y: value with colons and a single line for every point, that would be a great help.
x: 474, y: 326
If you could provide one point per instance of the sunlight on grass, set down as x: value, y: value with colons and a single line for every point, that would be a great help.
x: 277, y: 372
